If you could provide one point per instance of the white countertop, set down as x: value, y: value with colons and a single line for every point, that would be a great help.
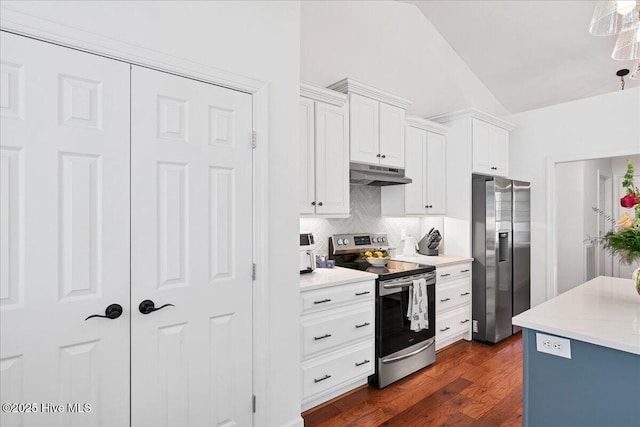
x: 604, y: 311
x: 323, y: 277
x: 438, y: 261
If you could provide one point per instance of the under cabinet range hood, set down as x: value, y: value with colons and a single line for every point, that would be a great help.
x: 378, y: 176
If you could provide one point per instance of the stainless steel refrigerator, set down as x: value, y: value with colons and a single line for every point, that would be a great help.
x: 501, y: 255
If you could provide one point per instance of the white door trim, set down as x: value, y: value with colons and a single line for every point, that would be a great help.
x: 551, y: 209
x: 53, y: 32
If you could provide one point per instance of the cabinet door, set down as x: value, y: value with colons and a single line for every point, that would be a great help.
x: 500, y: 151
x: 435, y: 171
x: 415, y: 193
x: 391, y: 136
x: 482, y: 162
x: 364, y: 129
x: 307, y: 157
x: 332, y: 159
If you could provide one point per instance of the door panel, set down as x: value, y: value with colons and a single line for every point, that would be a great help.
x: 64, y: 234
x: 332, y: 159
x: 414, y: 193
x: 365, y: 133
x: 436, y: 174
x: 191, y: 247
x: 482, y: 160
x: 307, y: 157
x: 391, y: 136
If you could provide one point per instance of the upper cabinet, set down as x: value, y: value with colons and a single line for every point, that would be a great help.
x: 324, y: 152
x: 425, y: 164
x: 376, y: 124
x: 486, y: 135
x: 490, y: 149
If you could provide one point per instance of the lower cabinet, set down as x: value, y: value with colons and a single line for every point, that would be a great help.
x: 337, y: 340
x: 453, y: 304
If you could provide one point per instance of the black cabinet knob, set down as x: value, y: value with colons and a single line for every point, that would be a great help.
x: 313, y: 203
x: 319, y: 203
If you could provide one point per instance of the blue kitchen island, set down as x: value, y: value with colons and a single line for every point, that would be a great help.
x: 581, y: 357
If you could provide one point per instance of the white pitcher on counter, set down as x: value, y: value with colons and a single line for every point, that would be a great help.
x: 410, y: 246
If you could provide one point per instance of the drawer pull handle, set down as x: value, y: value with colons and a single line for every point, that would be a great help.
x: 363, y: 325
x: 321, y: 301
x: 326, y: 377
x: 445, y: 300
x: 362, y: 293
x: 465, y: 271
x: 464, y: 321
x: 365, y: 361
x: 445, y: 329
x: 322, y: 337
x: 464, y: 294
x: 445, y: 275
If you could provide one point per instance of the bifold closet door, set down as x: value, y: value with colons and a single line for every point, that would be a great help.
x: 64, y: 236
x: 191, y: 162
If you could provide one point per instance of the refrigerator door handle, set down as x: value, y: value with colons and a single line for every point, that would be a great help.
x: 503, y: 246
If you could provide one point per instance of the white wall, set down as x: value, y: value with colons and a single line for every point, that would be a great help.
x: 601, y: 126
x: 570, y: 202
x: 392, y: 46
x: 254, y: 39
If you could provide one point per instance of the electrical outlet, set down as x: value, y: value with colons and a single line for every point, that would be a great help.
x: 403, y: 234
x: 553, y: 345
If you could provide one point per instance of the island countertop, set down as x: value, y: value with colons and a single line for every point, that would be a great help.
x: 604, y: 311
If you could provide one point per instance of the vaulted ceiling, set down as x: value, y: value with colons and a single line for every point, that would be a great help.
x: 529, y: 53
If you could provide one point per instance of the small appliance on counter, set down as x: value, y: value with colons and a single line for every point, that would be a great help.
x: 428, y: 245
x: 307, y: 253
x: 410, y: 246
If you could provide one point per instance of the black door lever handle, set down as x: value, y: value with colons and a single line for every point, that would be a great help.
x: 147, y: 306
x: 111, y: 312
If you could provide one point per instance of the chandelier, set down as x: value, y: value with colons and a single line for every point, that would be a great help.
x: 622, y: 18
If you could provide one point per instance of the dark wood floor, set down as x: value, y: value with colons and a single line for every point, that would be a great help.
x: 471, y: 384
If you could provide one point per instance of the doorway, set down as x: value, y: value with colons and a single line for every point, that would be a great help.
x: 587, y: 205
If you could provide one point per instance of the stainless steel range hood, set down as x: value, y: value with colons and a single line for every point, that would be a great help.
x: 376, y: 175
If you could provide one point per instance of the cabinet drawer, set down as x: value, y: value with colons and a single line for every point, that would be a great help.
x: 451, y: 272
x: 453, y: 323
x: 338, y: 295
x: 340, y: 327
x: 337, y: 368
x: 453, y: 294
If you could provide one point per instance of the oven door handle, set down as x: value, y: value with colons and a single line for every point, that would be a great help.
x: 402, y: 285
x: 413, y: 353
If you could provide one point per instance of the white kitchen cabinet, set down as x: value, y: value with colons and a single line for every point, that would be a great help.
x: 490, y: 149
x: 461, y: 147
x: 324, y: 153
x: 425, y: 164
x: 376, y: 124
x: 453, y: 304
x: 337, y: 340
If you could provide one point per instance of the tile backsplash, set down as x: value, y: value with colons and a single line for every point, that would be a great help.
x: 366, y: 218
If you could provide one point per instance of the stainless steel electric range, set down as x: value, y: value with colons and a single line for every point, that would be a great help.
x: 400, y: 351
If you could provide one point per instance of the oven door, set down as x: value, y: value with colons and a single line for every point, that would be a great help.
x: 393, y: 325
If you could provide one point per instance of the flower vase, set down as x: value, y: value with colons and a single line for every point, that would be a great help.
x: 636, y: 279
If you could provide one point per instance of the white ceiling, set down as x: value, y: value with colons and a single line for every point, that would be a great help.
x: 529, y: 53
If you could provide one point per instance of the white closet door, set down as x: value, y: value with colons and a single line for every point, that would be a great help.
x: 64, y: 237
x: 191, y: 222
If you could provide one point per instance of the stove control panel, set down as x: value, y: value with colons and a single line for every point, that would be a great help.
x: 361, y: 241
